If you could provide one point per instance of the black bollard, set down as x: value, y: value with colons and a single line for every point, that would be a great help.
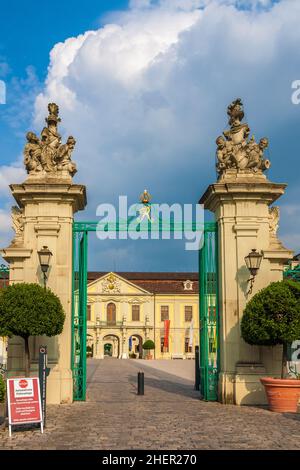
x: 197, y: 368
x: 140, y: 383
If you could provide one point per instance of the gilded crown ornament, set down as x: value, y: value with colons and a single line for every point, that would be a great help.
x: 145, y: 210
x: 47, y: 156
x: 235, y: 151
x: 145, y: 197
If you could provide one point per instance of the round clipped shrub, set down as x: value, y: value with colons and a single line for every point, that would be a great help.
x: 30, y: 310
x: 272, y: 317
x: 148, y: 344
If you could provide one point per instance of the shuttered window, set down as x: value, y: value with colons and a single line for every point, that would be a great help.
x: 164, y: 312
x: 135, y: 309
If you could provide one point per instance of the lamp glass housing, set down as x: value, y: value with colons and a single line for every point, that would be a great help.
x: 253, y: 261
x: 44, y: 258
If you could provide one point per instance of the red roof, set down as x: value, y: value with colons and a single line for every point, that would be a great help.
x: 157, y: 282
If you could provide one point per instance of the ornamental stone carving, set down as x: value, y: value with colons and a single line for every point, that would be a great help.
x: 47, y: 156
x: 235, y: 151
x: 111, y: 285
x: 274, y: 220
x: 17, y: 216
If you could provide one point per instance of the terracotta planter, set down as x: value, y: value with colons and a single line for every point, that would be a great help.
x: 283, y: 394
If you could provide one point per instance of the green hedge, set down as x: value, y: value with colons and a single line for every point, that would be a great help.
x: 272, y: 316
x: 2, y: 389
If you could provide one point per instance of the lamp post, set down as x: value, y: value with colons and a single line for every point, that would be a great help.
x: 253, y: 260
x: 44, y: 258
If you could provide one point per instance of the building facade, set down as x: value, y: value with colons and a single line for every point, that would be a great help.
x: 126, y: 309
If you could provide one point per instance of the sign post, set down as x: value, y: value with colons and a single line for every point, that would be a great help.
x: 43, y: 374
x: 24, y: 402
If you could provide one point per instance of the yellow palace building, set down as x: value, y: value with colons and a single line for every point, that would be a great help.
x: 126, y: 308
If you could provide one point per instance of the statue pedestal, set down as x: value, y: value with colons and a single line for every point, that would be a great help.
x: 241, y: 206
x: 49, y: 208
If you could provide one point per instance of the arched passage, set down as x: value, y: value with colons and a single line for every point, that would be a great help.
x: 111, y: 346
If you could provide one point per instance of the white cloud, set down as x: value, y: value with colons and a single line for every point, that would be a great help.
x: 10, y: 174
x: 5, y: 229
x: 146, y: 95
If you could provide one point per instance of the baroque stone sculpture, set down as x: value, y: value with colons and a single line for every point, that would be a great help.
x: 236, y: 151
x: 47, y: 156
x: 274, y: 220
x: 18, y: 225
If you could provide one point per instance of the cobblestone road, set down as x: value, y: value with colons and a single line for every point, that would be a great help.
x: 169, y: 416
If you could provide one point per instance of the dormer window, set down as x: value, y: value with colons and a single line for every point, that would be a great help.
x: 188, y: 285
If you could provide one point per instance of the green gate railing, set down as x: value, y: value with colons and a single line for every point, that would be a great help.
x: 208, y: 331
x: 4, y: 271
x: 209, y: 314
x: 79, y: 306
x: 292, y: 273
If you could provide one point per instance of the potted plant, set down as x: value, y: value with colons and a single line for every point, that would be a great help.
x: 272, y: 317
x: 2, y: 399
x: 148, y: 346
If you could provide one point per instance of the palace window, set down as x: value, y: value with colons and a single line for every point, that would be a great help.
x: 88, y: 313
x: 188, y: 313
x: 135, y: 310
x: 187, y: 347
x: 163, y: 349
x: 164, y: 312
x: 111, y: 314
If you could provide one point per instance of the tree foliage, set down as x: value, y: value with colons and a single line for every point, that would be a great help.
x: 2, y: 389
x: 272, y: 316
x: 30, y: 310
x: 148, y: 344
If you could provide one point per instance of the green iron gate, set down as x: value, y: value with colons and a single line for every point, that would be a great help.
x: 209, y: 314
x: 79, y: 306
x: 292, y: 273
x: 4, y: 272
x: 208, y: 300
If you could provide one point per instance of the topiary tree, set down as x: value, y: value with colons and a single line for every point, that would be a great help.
x: 272, y: 317
x: 148, y: 345
x: 30, y: 310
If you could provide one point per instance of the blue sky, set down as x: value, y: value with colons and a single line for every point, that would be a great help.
x: 145, y: 94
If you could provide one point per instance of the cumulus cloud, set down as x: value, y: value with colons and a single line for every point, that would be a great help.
x: 146, y: 94
x: 10, y: 173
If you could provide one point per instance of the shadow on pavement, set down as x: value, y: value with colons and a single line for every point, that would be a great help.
x: 170, y: 386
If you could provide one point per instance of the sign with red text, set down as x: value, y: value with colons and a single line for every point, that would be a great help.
x: 24, y: 401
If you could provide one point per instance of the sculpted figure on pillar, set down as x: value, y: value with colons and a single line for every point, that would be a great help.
x: 236, y: 151
x: 17, y: 224
x: 47, y: 156
x: 274, y: 219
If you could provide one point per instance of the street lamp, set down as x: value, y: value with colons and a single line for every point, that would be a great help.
x: 44, y: 258
x: 253, y: 260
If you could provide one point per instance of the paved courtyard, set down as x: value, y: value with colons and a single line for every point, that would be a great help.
x: 169, y: 415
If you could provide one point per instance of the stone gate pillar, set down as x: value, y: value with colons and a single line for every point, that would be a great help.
x: 241, y: 200
x: 46, y: 203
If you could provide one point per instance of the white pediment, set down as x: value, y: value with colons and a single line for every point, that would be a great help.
x: 111, y: 284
